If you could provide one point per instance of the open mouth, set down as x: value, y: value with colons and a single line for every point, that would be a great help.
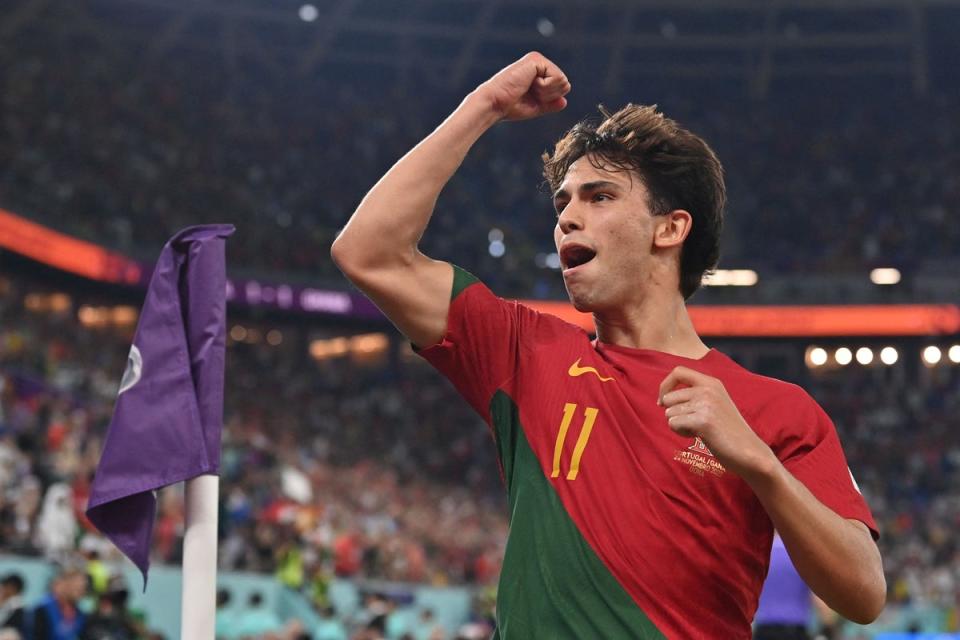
x: 575, y: 255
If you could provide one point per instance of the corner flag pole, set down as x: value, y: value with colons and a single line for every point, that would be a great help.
x: 198, y: 600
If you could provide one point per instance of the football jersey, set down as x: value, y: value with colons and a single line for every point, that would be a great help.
x: 619, y: 527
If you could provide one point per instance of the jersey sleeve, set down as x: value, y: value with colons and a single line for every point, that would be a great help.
x: 814, y: 456
x: 480, y: 349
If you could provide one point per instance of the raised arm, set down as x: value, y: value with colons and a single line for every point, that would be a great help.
x: 377, y: 249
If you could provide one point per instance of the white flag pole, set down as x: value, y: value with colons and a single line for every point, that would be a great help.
x: 199, y: 599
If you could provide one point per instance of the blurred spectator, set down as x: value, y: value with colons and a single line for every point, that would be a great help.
x: 11, y: 602
x: 58, y: 616
x: 57, y: 526
x: 110, y: 619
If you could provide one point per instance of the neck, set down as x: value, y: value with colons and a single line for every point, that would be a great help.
x: 659, y: 322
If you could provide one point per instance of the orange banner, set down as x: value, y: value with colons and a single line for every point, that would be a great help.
x: 92, y: 261
x: 800, y: 321
x: 64, y: 252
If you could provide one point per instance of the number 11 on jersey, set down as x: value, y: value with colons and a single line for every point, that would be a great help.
x: 589, y: 417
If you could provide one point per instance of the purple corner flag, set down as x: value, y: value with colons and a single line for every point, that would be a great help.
x: 169, y: 411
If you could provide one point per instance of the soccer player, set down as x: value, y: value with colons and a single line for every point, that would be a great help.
x: 645, y: 471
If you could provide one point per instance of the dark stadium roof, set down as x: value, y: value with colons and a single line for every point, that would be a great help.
x: 456, y: 42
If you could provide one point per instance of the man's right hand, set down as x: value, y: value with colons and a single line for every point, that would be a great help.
x: 530, y: 87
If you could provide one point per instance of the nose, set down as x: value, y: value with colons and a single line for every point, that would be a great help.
x: 570, y: 220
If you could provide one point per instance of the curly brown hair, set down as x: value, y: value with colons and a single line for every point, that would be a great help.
x: 678, y: 168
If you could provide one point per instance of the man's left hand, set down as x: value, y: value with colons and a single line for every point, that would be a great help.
x: 697, y: 405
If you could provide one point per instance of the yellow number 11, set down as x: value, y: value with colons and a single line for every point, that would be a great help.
x: 589, y: 417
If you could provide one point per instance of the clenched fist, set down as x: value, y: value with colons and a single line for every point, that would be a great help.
x: 530, y: 87
x: 701, y: 407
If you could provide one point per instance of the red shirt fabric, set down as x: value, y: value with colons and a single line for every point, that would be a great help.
x: 685, y: 538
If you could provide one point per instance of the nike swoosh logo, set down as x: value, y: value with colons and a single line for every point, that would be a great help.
x: 576, y: 370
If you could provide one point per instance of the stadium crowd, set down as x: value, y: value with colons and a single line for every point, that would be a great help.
x: 126, y: 149
x: 379, y: 471
x: 327, y: 469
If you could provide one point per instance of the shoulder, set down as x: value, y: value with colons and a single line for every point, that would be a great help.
x: 480, y: 304
x: 763, y: 393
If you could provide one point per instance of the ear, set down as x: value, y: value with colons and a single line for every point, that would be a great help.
x: 672, y: 228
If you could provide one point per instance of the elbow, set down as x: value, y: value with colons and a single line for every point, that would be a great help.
x: 349, y: 256
x: 360, y: 259
x: 340, y: 253
x: 870, y: 603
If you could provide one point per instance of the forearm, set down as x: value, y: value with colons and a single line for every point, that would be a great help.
x: 836, y: 557
x: 389, y: 222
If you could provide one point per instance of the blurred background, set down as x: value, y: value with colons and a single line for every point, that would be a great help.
x: 360, y: 495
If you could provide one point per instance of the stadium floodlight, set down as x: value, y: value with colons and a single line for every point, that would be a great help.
x: 843, y: 356
x: 889, y: 355
x: 864, y: 355
x: 885, y: 276
x: 731, y: 278
x: 546, y: 27
x: 497, y: 248
x: 309, y: 13
x: 932, y: 355
x: 816, y: 356
x: 238, y: 333
x: 495, y: 235
x: 553, y: 260
x: 954, y: 354
x: 369, y: 343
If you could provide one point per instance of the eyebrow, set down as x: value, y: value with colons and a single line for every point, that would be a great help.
x: 587, y: 187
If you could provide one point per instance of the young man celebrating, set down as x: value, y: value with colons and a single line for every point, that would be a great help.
x: 645, y: 471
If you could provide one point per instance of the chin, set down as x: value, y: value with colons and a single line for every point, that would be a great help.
x: 582, y: 302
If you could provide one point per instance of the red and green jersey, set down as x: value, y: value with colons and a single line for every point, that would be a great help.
x: 620, y: 528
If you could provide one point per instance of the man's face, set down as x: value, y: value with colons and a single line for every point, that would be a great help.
x: 604, y: 236
x: 75, y: 586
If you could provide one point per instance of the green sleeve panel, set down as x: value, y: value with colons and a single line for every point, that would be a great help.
x: 461, y: 280
x: 552, y: 585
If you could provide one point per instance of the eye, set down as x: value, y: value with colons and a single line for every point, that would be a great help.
x: 600, y: 197
x: 559, y: 206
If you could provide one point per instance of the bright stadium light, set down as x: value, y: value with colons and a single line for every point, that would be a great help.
x: 843, y: 356
x: 889, y: 355
x: 309, y: 13
x: 546, y: 27
x: 885, y: 276
x: 497, y: 248
x: 954, y: 354
x: 816, y: 356
x: 932, y: 355
x: 495, y: 235
x: 731, y: 278
x: 553, y: 260
x: 864, y: 355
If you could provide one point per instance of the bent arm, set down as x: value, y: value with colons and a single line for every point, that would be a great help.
x: 836, y: 557
x: 377, y: 250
